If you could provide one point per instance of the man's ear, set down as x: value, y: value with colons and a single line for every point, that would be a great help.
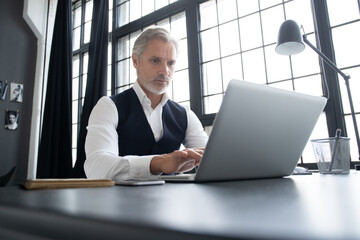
x: 135, y: 60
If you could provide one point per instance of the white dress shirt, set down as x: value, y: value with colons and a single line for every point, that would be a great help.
x: 101, y: 145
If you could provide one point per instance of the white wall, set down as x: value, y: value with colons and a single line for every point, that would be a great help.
x: 40, y: 16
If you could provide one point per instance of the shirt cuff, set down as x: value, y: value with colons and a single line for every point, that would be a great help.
x: 140, y: 167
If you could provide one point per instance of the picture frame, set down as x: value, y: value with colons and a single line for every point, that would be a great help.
x: 11, y: 119
x: 3, y: 89
x: 16, y: 92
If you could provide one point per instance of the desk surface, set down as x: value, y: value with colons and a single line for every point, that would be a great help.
x: 310, y: 206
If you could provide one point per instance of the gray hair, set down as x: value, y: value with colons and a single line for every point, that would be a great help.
x: 150, y: 34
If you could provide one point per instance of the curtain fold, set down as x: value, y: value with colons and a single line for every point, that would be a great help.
x: 54, y: 158
x: 97, y: 76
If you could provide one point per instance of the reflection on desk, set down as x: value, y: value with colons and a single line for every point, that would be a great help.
x: 297, y: 207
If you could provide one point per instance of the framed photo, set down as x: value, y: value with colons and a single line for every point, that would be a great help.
x: 16, y: 92
x: 3, y: 89
x: 11, y: 119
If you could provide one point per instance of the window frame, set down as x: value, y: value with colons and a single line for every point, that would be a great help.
x: 333, y: 110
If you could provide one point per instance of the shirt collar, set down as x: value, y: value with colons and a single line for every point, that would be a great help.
x: 144, y: 100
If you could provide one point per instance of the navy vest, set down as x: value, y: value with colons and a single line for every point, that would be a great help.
x: 134, y: 131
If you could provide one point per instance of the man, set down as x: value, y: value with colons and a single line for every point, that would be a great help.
x: 137, y: 134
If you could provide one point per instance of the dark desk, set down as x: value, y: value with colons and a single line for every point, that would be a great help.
x: 300, y: 207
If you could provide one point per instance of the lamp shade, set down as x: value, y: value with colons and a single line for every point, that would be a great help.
x: 290, y: 40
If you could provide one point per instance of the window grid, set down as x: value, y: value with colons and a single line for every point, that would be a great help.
x: 344, y: 29
x: 279, y: 71
x: 131, y: 10
x: 82, y: 15
x: 213, y: 50
x: 254, y: 51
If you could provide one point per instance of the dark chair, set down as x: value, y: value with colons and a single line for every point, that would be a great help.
x: 5, y: 179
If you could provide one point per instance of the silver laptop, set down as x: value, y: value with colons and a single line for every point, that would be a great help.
x: 259, y: 132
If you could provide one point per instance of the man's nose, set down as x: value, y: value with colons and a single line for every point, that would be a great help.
x: 164, y: 69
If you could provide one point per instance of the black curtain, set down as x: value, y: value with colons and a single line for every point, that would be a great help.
x: 97, y: 76
x: 54, y: 160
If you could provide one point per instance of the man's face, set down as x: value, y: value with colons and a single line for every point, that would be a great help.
x: 155, y: 67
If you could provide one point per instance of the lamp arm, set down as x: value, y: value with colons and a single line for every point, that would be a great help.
x: 326, y: 59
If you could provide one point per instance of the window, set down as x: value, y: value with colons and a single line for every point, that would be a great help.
x: 345, y: 24
x: 81, y: 15
x: 238, y: 41
x: 222, y: 40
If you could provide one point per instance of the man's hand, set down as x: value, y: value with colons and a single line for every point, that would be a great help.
x: 177, y: 161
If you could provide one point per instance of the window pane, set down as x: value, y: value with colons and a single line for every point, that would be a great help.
x: 309, y: 85
x: 254, y: 69
x: 110, y: 20
x: 84, y: 82
x: 277, y: 66
x: 229, y: 38
x: 160, y: 3
x: 122, y: 73
x: 210, y: 44
x: 76, y: 66
x: 246, y: 7
x: 85, y: 62
x: 268, y: 3
x: 212, y: 78
x: 342, y: 11
x: 178, y: 26
x: 88, y: 11
x: 77, y: 17
x: 75, y: 112
x: 250, y: 32
x: 148, y: 6
x: 122, y: 13
x: 226, y: 10
x: 87, y: 32
x: 135, y: 10
x: 208, y: 15
x: 212, y: 103
x: 123, y: 48
x: 74, y: 135
x: 231, y: 69
x: 181, y: 86
x: 182, y: 59
x: 346, y: 43
x: 76, y: 38
x: 75, y: 88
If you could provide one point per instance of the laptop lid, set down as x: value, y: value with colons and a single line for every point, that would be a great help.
x: 259, y: 132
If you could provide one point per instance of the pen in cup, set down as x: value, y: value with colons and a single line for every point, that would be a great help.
x: 333, y: 154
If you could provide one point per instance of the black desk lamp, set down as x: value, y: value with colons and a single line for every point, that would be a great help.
x: 291, y: 41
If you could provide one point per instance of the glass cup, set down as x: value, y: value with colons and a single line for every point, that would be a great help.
x: 332, y: 155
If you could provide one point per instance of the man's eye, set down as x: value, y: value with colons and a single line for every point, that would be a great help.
x: 155, y: 60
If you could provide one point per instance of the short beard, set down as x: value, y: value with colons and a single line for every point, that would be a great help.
x: 152, y: 85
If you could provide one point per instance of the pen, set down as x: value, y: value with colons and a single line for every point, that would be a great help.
x: 333, y: 154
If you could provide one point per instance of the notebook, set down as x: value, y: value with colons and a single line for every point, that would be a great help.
x: 259, y: 132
